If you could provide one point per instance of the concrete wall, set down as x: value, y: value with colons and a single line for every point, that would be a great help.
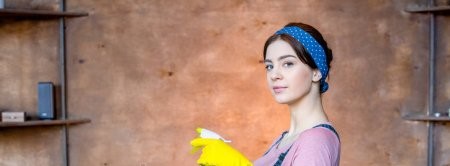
x: 148, y: 72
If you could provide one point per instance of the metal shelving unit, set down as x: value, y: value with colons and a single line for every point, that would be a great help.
x: 431, y: 10
x: 62, y: 121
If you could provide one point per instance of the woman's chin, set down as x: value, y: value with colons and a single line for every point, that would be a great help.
x: 282, y: 100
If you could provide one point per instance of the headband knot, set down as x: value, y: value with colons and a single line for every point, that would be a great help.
x: 313, y: 48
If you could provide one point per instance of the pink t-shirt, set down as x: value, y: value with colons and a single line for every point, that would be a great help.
x: 317, y: 146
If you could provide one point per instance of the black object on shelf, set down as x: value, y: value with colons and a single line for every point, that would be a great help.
x: 46, y: 100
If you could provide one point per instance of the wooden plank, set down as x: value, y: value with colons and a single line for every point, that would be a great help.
x: 419, y: 117
x: 23, y: 13
x: 441, y: 9
x: 44, y: 123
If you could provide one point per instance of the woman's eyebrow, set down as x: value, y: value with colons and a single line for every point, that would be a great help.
x: 285, y: 56
x: 279, y: 58
x: 267, y: 61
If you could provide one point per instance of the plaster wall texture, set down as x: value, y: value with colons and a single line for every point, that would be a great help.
x: 148, y: 72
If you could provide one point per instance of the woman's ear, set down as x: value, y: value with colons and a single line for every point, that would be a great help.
x: 316, y: 75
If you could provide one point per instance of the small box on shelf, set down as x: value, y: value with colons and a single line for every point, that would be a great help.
x: 13, y: 116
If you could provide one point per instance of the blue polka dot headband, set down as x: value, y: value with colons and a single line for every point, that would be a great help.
x: 314, y: 49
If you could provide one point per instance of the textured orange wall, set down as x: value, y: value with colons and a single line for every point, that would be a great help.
x: 147, y: 73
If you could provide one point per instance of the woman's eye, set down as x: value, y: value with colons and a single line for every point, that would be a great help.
x: 269, y: 67
x: 288, y: 64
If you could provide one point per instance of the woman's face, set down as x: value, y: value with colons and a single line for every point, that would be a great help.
x: 289, y: 79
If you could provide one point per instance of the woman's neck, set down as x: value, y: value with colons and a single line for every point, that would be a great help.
x: 306, y: 113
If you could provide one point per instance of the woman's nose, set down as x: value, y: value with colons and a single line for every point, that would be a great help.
x: 276, y: 75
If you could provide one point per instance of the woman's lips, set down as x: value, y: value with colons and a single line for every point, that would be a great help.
x: 278, y: 89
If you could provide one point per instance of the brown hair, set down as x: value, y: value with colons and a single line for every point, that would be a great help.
x: 301, y: 52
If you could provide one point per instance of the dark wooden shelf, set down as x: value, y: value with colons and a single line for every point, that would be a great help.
x: 436, y: 9
x: 420, y: 117
x: 44, y: 123
x: 27, y: 13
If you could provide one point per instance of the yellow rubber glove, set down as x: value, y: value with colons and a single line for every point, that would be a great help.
x: 217, y: 153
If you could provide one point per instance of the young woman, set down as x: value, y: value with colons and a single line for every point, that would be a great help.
x: 297, y: 61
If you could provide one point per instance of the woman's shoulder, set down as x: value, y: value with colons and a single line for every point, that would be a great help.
x: 318, y: 135
x: 315, y: 146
